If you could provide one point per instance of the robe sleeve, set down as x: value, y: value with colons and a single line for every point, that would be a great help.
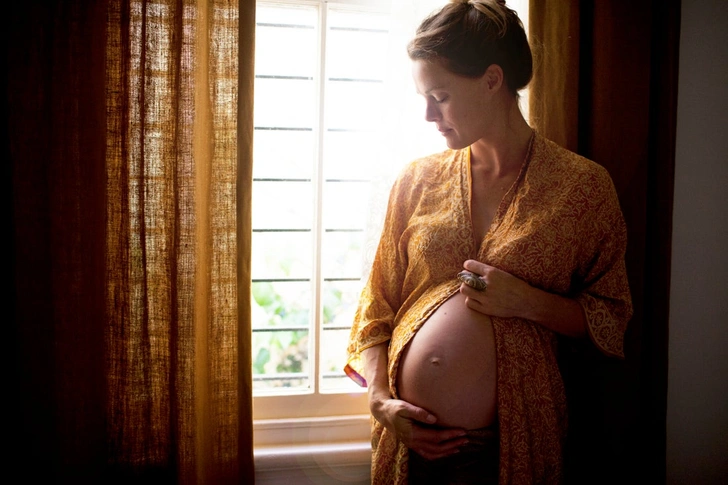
x: 605, y: 295
x: 381, y: 297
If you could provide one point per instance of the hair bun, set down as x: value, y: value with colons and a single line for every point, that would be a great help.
x: 501, y: 3
x: 467, y: 42
x: 486, y: 7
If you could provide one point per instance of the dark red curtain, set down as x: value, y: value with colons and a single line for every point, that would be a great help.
x: 605, y: 86
x: 56, y: 131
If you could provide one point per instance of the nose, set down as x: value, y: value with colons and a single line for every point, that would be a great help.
x: 432, y: 113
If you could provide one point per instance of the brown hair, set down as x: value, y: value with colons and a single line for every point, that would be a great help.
x: 470, y: 35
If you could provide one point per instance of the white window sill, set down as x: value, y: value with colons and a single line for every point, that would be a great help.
x: 321, y: 451
x: 315, y: 464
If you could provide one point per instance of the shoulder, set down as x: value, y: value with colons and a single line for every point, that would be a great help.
x: 552, y: 163
x: 433, y: 165
x: 427, y: 181
x: 435, y: 169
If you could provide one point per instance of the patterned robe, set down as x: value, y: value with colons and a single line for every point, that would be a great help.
x: 560, y: 228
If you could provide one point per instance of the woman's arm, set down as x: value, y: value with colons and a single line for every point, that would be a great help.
x: 375, y: 372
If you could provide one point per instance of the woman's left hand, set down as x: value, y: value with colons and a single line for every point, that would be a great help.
x: 505, y: 295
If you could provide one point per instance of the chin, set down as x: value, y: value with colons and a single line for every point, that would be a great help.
x: 454, y: 141
x: 456, y: 144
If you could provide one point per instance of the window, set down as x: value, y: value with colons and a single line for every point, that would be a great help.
x: 318, y: 95
x: 323, y: 93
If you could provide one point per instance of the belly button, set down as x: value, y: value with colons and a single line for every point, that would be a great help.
x: 435, y: 361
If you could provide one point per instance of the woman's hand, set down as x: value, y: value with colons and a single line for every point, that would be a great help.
x: 507, y: 296
x: 413, y: 426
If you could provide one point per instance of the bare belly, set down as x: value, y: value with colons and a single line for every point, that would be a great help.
x: 449, y: 367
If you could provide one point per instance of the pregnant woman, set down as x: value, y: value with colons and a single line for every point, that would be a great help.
x: 489, y: 250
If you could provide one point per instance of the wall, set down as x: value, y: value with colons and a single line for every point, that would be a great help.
x: 697, y: 401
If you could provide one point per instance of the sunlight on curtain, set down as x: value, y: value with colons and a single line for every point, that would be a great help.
x: 172, y: 294
x: 555, y: 29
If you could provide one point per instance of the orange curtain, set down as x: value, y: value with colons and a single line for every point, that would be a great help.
x: 554, y: 89
x: 130, y: 141
x: 605, y: 86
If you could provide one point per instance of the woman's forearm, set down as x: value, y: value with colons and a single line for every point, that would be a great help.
x: 375, y: 371
x: 558, y: 313
x: 507, y: 296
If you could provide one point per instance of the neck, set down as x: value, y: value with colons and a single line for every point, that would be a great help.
x: 504, y: 149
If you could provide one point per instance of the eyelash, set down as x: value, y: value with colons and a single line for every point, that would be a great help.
x: 440, y: 101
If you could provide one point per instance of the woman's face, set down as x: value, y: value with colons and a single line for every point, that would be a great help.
x: 459, y: 106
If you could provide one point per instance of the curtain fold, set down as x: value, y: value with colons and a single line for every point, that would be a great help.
x: 131, y: 336
x: 244, y: 231
x: 554, y: 90
x: 605, y: 86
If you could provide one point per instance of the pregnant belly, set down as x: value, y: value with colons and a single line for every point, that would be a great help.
x: 449, y: 367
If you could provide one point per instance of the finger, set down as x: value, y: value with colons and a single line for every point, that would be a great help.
x: 469, y: 291
x: 475, y: 266
x: 415, y: 413
x: 476, y: 305
x: 427, y: 455
x: 437, y: 440
x: 441, y: 436
x: 474, y: 299
x: 434, y: 449
x: 432, y: 453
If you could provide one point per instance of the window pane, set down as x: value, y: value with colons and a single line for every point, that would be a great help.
x: 339, y: 303
x: 339, y: 383
x: 333, y: 357
x: 280, y: 255
x: 351, y: 155
x: 288, y: 15
x: 288, y: 103
x: 288, y: 51
x: 282, y: 205
x: 345, y: 205
x: 281, y: 304
x: 357, y: 19
x: 283, y: 154
x: 356, y: 53
x: 354, y: 105
x: 280, y: 359
x: 341, y: 254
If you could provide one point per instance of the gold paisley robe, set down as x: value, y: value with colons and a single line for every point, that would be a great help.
x: 560, y: 228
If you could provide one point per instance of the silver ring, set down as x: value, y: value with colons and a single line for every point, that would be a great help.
x: 472, y: 280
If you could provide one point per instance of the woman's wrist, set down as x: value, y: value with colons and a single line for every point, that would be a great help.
x: 377, y: 398
x: 559, y: 313
x: 378, y: 395
x: 376, y: 409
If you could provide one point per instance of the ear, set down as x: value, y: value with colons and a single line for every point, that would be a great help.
x: 494, y: 77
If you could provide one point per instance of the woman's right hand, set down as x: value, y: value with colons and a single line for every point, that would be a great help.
x: 412, y: 425
x: 415, y: 427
